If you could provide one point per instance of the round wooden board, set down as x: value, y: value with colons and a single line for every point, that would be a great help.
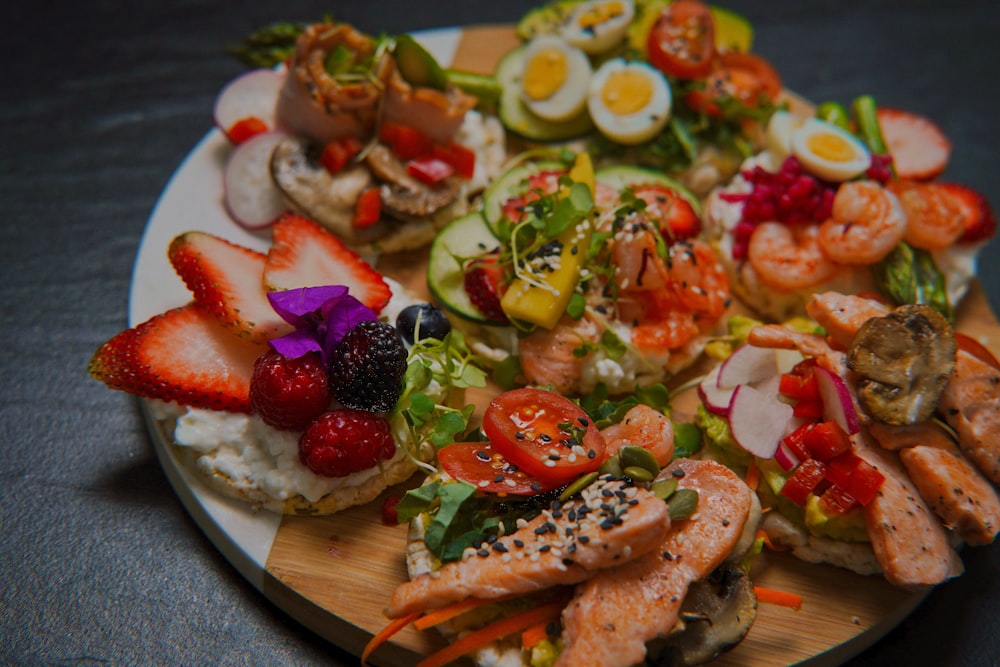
x: 335, y: 574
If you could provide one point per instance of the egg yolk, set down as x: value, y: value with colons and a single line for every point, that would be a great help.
x: 545, y: 73
x: 831, y: 147
x: 600, y: 13
x: 626, y: 92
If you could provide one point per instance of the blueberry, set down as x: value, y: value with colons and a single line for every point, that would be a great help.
x: 433, y: 322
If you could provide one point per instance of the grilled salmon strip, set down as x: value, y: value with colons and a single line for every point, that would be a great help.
x: 971, y: 405
x: 841, y: 315
x: 909, y: 542
x: 611, y: 523
x: 614, y: 613
x: 949, y: 483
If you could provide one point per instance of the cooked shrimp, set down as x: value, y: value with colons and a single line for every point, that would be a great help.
x: 636, y: 257
x: 867, y: 223
x: 971, y: 405
x: 613, y: 614
x: 775, y: 336
x: 789, y: 258
x: 933, y: 220
x: 842, y: 315
x: 560, y: 546
x: 645, y: 427
x: 698, y: 278
x: 549, y: 357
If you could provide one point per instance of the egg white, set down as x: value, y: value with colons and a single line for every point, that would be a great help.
x: 779, y: 132
x: 581, y: 31
x: 854, y: 161
x: 565, y: 98
x: 640, y: 124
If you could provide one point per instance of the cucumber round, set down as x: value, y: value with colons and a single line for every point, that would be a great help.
x: 545, y: 20
x: 620, y: 177
x: 511, y: 184
x: 464, y: 237
x: 517, y: 118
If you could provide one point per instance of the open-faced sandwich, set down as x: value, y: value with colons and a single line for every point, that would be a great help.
x: 368, y: 136
x: 873, y: 437
x: 574, y: 279
x: 299, y: 380
x: 591, y: 555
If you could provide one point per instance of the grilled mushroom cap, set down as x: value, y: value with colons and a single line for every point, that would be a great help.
x: 903, y: 361
x: 716, y: 616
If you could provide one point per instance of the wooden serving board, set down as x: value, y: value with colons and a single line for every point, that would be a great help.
x: 336, y: 574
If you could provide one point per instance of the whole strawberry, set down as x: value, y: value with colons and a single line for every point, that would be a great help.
x: 367, y: 367
x: 345, y: 441
x: 289, y: 393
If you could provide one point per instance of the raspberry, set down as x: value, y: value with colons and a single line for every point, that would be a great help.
x: 289, y: 393
x: 345, y: 441
x: 367, y: 367
x: 482, y: 284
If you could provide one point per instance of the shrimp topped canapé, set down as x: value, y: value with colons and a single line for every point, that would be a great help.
x: 790, y: 225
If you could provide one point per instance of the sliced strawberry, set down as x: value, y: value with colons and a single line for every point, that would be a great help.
x: 482, y: 282
x: 226, y: 279
x: 183, y: 355
x: 919, y: 149
x: 980, y: 222
x: 303, y: 254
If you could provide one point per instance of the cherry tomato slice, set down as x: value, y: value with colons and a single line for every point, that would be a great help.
x: 681, y: 42
x: 544, y: 434
x: 673, y: 214
x: 746, y: 77
x: 477, y: 463
x: 976, y: 349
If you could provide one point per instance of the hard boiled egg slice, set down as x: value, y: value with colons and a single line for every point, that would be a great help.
x: 555, y: 79
x: 779, y: 132
x: 829, y: 152
x: 629, y: 102
x: 599, y: 26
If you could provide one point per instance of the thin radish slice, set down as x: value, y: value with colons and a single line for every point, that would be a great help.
x: 758, y: 420
x: 250, y: 95
x: 251, y: 197
x: 715, y: 398
x: 747, y: 365
x: 785, y: 458
x: 838, y: 404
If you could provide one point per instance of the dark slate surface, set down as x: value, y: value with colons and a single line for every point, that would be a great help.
x: 99, y: 563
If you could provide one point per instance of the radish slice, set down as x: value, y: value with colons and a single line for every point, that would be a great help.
x: 838, y: 404
x: 758, y: 420
x: 784, y: 457
x: 747, y: 365
x: 715, y: 398
x: 254, y: 94
x: 251, y: 197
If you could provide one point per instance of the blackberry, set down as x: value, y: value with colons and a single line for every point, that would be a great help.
x: 433, y: 323
x: 367, y: 367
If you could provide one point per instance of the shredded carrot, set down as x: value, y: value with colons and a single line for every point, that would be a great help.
x: 385, y: 633
x: 773, y: 546
x: 782, y: 598
x: 506, y: 626
x: 432, y: 618
x: 753, y: 475
x: 535, y: 634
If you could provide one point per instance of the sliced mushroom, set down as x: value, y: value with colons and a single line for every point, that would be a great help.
x: 716, y: 616
x: 403, y: 196
x: 314, y: 192
x: 903, y: 361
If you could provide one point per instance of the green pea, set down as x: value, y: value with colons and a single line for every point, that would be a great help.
x: 578, y: 485
x: 682, y: 504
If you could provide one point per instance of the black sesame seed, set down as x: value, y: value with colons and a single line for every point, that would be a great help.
x: 500, y: 547
x: 518, y: 543
x: 483, y: 553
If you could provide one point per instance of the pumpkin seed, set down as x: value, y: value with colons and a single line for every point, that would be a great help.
x: 638, y: 474
x: 634, y: 456
x: 682, y: 504
x: 664, y: 488
x: 577, y: 486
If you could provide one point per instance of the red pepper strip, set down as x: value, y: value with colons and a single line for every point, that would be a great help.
x: 837, y: 501
x: 437, y: 616
x: 826, y: 440
x: 801, y: 483
x: 385, y: 634
x: 462, y: 159
x: 808, y: 409
x: 783, y: 598
x: 502, y: 628
x: 339, y: 152
x: 799, y: 387
x: 855, y: 476
x: 246, y: 128
x: 795, y: 441
x: 535, y: 634
x: 430, y: 170
x: 406, y: 142
x: 368, y: 209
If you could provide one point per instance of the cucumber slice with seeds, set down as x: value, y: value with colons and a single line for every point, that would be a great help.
x: 462, y: 238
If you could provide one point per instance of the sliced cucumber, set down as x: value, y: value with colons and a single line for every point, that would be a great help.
x: 620, y: 177
x: 511, y: 184
x: 516, y: 117
x: 545, y: 20
x: 464, y: 237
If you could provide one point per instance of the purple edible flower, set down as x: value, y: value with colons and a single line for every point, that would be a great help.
x: 322, y: 316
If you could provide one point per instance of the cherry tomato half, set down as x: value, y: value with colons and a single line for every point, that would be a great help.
x: 673, y: 214
x: 478, y: 464
x: 682, y: 40
x: 746, y: 77
x: 544, y: 434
